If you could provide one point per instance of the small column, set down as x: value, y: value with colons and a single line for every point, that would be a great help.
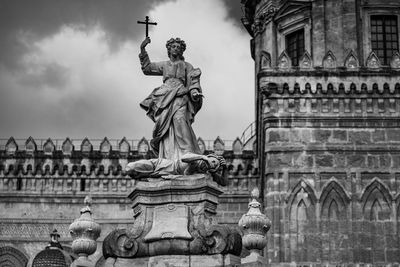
x: 255, y: 226
x: 84, y: 232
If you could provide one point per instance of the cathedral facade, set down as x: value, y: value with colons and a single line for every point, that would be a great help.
x: 43, y: 184
x: 328, y: 129
x: 326, y: 156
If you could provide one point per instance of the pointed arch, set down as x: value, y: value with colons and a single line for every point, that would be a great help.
x: 334, y: 203
x: 49, y: 147
x: 329, y: 61
x: 306, y: 61
x: 219, y: 146
x: 373, y: 61
x: 201, y: 144
x: 86, y: 146
x: 302, y: 185
x: 105, y: 146
x: 376, y: 192
x: 301, y: 204
x: 67, y: 146
x: 143, y: 146
x: 237, y: 146
x: 11, y: 146
x: 332, y: 190
x: 351, y: 61
x: 30, y: 145
x: 395, y: 61
x: 265, y: 60
x: 284, y: 61
x: 10, y: 256
x: 124, y: 146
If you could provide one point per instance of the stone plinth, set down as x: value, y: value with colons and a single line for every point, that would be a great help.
x: 175, y: 218
x: 177, y: 261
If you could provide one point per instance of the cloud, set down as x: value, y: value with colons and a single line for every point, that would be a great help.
x: 42, y: 18
x: 221, y: 50
x: 82, y: 77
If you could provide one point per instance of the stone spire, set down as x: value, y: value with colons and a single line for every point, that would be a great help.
x: 84, y: 232
x: 255, y: 226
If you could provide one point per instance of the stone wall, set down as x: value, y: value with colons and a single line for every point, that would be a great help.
x: 333, y: 175
x: 329, y: 132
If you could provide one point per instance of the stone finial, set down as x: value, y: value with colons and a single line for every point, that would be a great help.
x: 54, y: 236
x: 255, y: 226
x: 84, y: 232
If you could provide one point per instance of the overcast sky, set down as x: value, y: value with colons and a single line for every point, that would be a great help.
x: 71, y: 67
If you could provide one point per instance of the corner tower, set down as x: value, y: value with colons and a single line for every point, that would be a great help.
x: 328, y: 129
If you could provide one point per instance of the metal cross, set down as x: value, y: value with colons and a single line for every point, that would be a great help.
x: 146, y: 21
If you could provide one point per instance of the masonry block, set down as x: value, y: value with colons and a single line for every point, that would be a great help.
x: 360, y: 137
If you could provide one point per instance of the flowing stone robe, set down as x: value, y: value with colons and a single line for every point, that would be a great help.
x: 172, y: 107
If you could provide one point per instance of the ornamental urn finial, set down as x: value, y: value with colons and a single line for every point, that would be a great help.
x: 84, y: 232
x: 255, y: 226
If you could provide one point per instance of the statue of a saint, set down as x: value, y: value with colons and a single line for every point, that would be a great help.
x: 172, y: 107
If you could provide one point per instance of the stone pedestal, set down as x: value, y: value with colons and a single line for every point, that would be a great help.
x: 174, y: 220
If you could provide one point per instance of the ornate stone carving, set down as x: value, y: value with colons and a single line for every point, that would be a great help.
x: 329, y: 61
x: 84, y: 232
x: 284, y: 61
x: 219, y: 146
x: 201, y: 145
x: 86, y: 146
x: 306, y: 61
x: 49, y: 147
x: 219, y: 239
x: 255, y: 226
x: 351, y: 61
x: 30, y: 145
x: 237, y: 146
x: 265, y: 61
x: 11, y: 146
x: 120, y: 243
x: 373, y: 61
x: 169, y: 221
x: 124, y: 146
x: 173, y: 217
x: 67, y: 147
x: 105, y: 146
x: 143, y: 146
x: 395, y: 61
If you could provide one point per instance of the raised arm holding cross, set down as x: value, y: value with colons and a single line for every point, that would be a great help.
x: 147, y: 23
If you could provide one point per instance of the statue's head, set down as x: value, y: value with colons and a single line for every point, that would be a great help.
x: 176, y: 45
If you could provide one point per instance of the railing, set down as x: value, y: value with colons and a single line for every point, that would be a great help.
x: 248, y: 133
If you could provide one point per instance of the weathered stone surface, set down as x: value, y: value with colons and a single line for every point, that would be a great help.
x: 323, y: 211
x: 169, y: 222
x: 173, y: 217
x: 360, y: 137
x: 179, y: 261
